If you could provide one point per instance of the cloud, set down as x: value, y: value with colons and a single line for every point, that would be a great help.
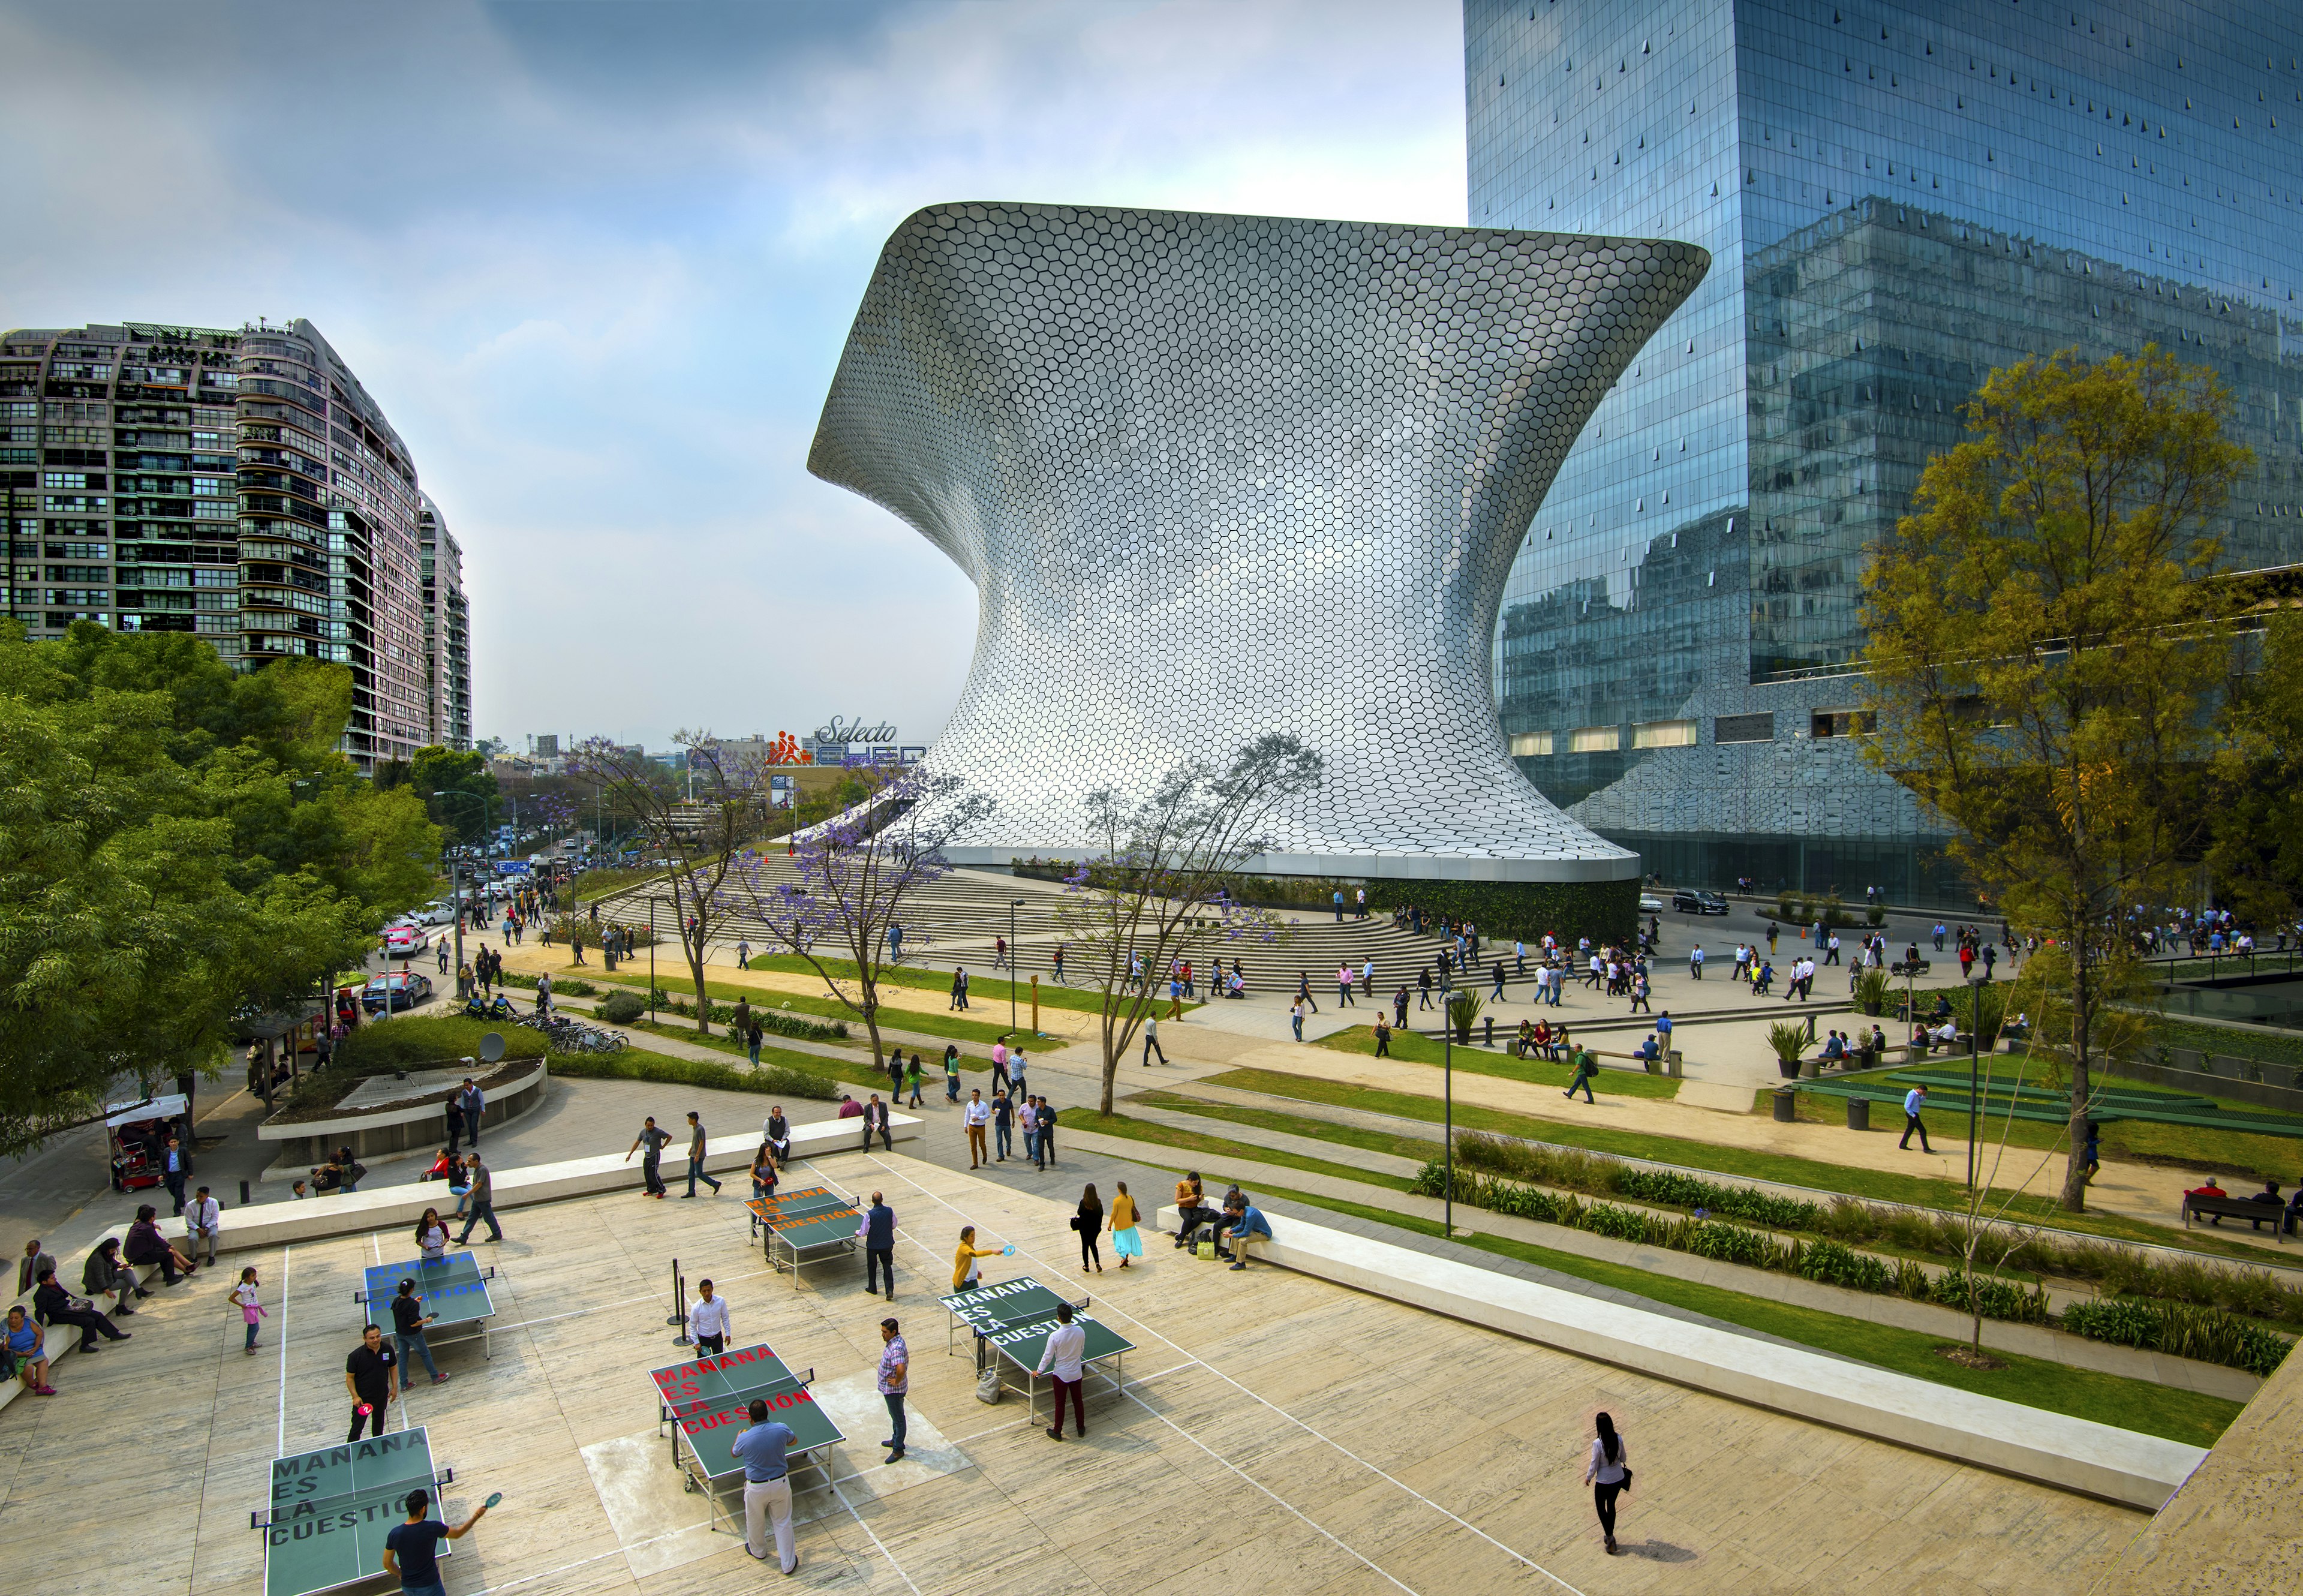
x: 597, y: 262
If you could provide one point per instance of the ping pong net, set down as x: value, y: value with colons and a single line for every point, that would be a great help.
x: 391, y: 1491
x: 731, y: 1401
x: 998, y: 1326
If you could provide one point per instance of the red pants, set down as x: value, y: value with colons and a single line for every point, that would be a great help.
x: 1077, y: 1390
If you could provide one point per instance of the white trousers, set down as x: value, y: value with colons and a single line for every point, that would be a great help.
x: 767, y: 1502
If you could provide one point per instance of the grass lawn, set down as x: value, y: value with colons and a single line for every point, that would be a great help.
x: 1884, y: 1185
x: 1472, y: 1061
x: 859, y: 1072
x: 981, y: 988
x: 2173, y: 1032
x: 1296, y: 1124
x: 952, y: 1026
x: 2106, y: 1399
x: 1214, y: 1147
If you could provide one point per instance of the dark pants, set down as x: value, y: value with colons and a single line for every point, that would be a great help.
x: 1077, y: 1390
x: 875, y: 1260
x: 1584, y: 1080
x: 1911, y: 1124
x: 1383, y: 1045
x: 481, y: 1210
x: 651, y: 1177
x: 166, y: 1264
x: 455, y: 1132
x: 372, y: 1420
x: 897, y: 1427
x: 1151, y: 1045
x: 91, y: 1324
x: 1603, y: 1497
x: 710, y: 1346
x: 175, y: 1184
x: 1191, y: 1219
x: 887, y: 1140
x: 1089, y: 1255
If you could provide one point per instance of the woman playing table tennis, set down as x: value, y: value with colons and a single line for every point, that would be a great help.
x: 963, y: 1273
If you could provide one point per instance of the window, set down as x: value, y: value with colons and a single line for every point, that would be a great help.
x: 1528, y: 744
x: 1744, y: 729
x: 1595, y: 739
x: 1845, y: 722
x: 1664, y: 734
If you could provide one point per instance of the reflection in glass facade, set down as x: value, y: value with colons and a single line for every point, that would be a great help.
x: 1896, y: 198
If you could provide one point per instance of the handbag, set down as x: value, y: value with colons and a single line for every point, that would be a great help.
x: 1627, y: 1479
x: 1076, y: 1222
x: 1204, y: 1249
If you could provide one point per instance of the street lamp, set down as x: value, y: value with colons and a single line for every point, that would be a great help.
x: 1974, y: 1065
x: 1013, y: 963
x: 456, y: 870
x: 1447, y: 1079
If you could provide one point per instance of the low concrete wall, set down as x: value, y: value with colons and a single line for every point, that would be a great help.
x: 377, y: 1132
x: 2119, y: 1465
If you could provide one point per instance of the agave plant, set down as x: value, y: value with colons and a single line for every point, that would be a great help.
x: 1790, y: 1041
x: 1463, y: 1006
x: 1871, y: 990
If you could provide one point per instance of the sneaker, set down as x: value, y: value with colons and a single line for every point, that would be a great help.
x: 125, y: 1335
x: 1239, y: 1266
x: 44, y: 1390
x: 440, y: 1379
x: 895, y: 1457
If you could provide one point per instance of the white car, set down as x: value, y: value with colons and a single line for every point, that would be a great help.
x: 431, y: 914
x: 405, y: 942
x: 1649, y: 904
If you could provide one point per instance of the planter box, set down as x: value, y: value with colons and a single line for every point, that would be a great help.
x: 388, y: 1128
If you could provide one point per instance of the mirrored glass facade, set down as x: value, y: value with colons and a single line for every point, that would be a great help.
x: 1896, y: 198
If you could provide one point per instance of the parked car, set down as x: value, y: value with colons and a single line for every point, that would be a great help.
x: 433, y: 914
x: 1649, y: 904
x: 401, y: 989
x: 405, y: 942
x: 1698, y: 903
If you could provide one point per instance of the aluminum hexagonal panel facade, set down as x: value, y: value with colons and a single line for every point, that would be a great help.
x: 1218, y: 476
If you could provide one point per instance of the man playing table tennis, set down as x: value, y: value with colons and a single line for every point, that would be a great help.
x: 1060, y: 1358
x: 411, y: 1552
x: 767, y: 1485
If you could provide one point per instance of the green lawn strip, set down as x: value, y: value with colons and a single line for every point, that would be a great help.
x: 860, y: 1072
x: 1428, y: 1050
x: 2173, y: 1031
x: 639, y: 1064
x: 981, y: 988
x: 1213, y: 1147
x: 828, y: 1007
x: 1918, y: 1190
x: 1296, y: 1124
x: 2107, y: 1399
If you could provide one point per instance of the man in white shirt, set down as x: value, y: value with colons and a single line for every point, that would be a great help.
x: 707, y: 1322
x: 202, y: 1216
x: 1061, y: 1359
x: 975, y: 1116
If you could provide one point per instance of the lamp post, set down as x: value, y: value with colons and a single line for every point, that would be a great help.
x: 1974, y: 1067
x: 1014, y: 963
x: 456, y: 872
x: 1447, y: 1080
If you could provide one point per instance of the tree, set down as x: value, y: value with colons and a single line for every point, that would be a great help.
x: 700, y: 820
x: 2257, y: 856
x: 1167, y: 862
x: 178, y: 843
x: 2044, y: 655
x: 844, y: 884
x: 435, y: 770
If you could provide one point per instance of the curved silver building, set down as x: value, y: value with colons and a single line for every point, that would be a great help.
x: 1218, y: 476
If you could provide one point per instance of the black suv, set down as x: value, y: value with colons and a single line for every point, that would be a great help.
x: 1698, y: 903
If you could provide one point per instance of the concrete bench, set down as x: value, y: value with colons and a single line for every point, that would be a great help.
x: 67, y: 1345
x: 2120, y: 1466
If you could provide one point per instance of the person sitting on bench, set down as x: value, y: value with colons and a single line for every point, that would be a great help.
x: 1192, y: 1209
x: 2208, y: 1188
x: 146, y: 1245
x: 56, y: 1305
x: 2269, y: 1196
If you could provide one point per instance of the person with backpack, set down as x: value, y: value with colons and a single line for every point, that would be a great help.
x: 1586, y: 1067
x: 1608, y: 1474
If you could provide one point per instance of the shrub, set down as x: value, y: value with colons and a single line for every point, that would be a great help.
x: 431, y: 1041
x: 1997, y: 1299
x: 621, y: 1007
x: 768, y: 1080
x: 1836, y: 1265
x: 2181, y: 1330
x: 774, y: 1021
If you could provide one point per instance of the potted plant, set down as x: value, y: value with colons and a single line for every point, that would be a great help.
x: 1790, y: 1042
x: 1463, y: 1008
x: 1871, y: 991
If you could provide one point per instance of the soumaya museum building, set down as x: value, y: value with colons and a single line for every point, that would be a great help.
x: 1896, y: 200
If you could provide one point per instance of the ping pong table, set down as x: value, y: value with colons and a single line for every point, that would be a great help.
x: 800, y: 1223
x: 455, y: 1287
x: 330, y: 1510
x: 706, y: 1402
x: 1011, y: 1323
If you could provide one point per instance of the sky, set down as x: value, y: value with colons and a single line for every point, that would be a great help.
x: 596, y: 261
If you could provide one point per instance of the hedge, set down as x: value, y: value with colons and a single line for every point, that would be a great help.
x: 427, y: 1042
x: 769, y: 1080
x: 2181, y: 1330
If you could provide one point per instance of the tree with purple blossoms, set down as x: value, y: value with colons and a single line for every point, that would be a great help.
x: 1167, y: 866
x: 833, y: 897
x: 700, y: 821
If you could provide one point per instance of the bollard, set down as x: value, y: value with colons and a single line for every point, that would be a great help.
x: 1859, y: 1113
x: 678, y: 1307
x: 1673, y: 1071
x: 243, y: 1194
x: 1787, y: 1107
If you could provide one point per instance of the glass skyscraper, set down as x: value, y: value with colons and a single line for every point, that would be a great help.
x: 1897, y: 198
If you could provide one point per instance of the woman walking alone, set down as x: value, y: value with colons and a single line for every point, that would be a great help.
x: 1608, y: 1474
x: 1090, y: 1226
x: 1127, y: 1240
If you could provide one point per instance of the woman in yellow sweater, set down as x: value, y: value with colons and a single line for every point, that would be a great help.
x: 1127, y: 1240
x: 963, y: 1264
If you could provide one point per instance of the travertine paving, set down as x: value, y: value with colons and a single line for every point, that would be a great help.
x: 1277, y: 1433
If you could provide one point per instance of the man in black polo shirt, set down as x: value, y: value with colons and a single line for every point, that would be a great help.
x: 411, y: 1552
x: 372, y: 1376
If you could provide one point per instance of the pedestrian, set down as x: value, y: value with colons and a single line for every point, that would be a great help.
x: 1046, y: 1124
x: 244, y: 1297
x: 1000, y: 1063
x: 743, y: 953
x: 877, y: 1232
x: 408, y: 1321
x: 1061, y: 1359
x: 974, y: 1117
x: 455, y: 1112
x: 1151, y: 1041
x: 476, y: 1103
x: 708, y: 1321
x: 764, y: 1450
x: 484, y: 1206
x: 650, y: 1144
x: 1608, y: 1474
x: 1344, y: 986
x: 171, y: 1167
x: 1027, y: 1115
x: 1127, y: 1238
x: 894, y: 1382
x: 1089, y: 1223
x: 763, y: 1173
x: 1382, y: 1035
x: 203, y: 1217
x: 776, y: 1133
x: 1295, y: 1016
x: 411, y: 1551
x: 1914, y: 1101
x: 431, y: 1237
x: 754, y: 1034
x: 1399, y: 1010
x: 1695, y: 961
x: 104, y: 1275
x: 1586, y: 1067
x: 875, y: 1118
x: 697, y: 1143
x: 951, y: 1072
x: 371, y: 1377
x: 1017, y: 1065
x: 912, y: 1080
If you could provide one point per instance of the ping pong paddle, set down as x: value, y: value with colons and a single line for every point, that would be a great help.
x: 1009, y: 1251
x: 494, y: 1497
